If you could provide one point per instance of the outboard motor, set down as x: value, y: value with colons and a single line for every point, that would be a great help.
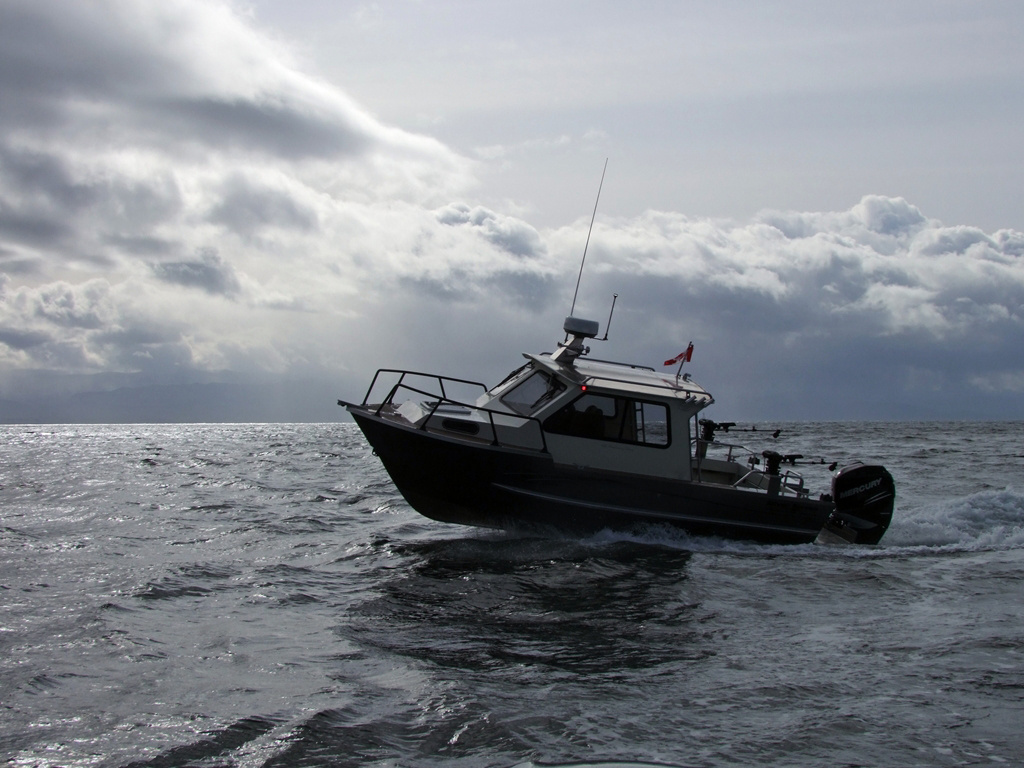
x: 864, y: 495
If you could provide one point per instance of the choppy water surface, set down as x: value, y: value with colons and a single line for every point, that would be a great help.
x: 260, y: 595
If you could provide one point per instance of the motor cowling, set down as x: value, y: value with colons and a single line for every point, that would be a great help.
x: 864, y: 495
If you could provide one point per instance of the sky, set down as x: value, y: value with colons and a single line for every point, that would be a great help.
x: 219, y: 210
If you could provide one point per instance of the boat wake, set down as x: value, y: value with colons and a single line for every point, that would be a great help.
x: 983, y: 521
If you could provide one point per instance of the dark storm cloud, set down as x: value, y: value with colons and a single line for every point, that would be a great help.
x: 48, y: 204
x: 280, y: 129
x: 208, y: 272
x: 119, y: 68
x: 37, y: 197
x: 24, y: 224
x: 532, y: 291
x: 47, y: 58
x: 46, y: 177
x: 23, y: 340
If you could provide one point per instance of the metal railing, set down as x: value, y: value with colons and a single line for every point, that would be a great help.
x: 401, y: 378
x: 590, y: 377
x: 790, y: 480
x: 435, y: 401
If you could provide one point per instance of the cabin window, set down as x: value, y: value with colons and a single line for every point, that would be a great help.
x: 532, y: 392
x: 605, y: 417
x: 508, y: 380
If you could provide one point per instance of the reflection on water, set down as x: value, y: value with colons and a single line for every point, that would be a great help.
x: 261, y: 595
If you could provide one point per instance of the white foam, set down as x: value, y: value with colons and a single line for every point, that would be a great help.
x: 988, y: 520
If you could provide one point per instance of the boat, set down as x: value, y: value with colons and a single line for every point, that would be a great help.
x: 571, y: 444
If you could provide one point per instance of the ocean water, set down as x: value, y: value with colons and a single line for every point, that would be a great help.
x: 260, y: 595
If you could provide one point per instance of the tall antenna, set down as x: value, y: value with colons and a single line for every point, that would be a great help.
x: 584, y: 260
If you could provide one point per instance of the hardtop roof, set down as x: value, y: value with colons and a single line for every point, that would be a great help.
x: 626, y: 378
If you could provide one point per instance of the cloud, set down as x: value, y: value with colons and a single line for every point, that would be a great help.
x: 1009, y: 381
x: 876, y: 308
x: 546, y: 144
x: 173, y: 155
x: 208, y: 272
x: 180, y: 202
x: 247, y: 206
x: 880, y: 268
x: 510, y: 234
x: 186, y: 73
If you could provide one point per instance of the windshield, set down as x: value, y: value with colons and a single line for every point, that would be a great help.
x: 509, y: 380
x: 532, y: 392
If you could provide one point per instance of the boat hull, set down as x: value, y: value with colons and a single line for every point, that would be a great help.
x: 474, y: 483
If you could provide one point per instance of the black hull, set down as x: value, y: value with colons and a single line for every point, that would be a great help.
x: 474, y: 483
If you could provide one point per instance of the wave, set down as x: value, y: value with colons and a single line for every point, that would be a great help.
x: 983, y: 521
x: 987, y: 520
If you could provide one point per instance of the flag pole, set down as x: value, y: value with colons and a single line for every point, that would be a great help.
x: 684, y: 358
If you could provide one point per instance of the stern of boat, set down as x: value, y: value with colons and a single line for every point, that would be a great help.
x: 864, y: 495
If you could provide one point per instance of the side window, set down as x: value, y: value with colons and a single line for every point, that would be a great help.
x: 604, y: 417
x: 532, y: 392
x: 652, y: 423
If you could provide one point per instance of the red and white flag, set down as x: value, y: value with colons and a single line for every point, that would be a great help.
x: 682, y: 357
